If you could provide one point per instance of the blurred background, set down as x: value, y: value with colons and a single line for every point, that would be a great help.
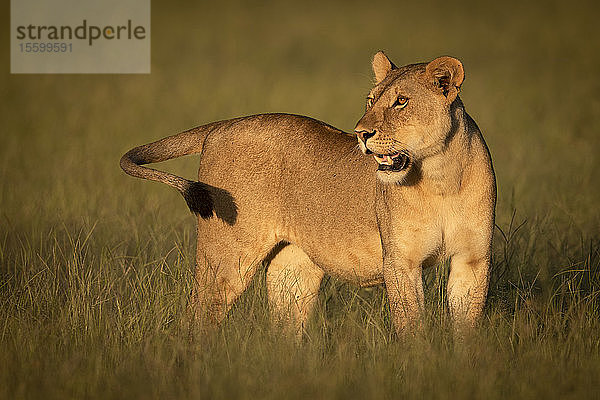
x: 95, y: 265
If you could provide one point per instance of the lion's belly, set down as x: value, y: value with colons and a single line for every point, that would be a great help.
x: 358, y: 264
x: 348, y: 252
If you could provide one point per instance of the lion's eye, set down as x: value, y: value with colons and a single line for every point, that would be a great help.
x: 369, y: 102
x: 400, y: 102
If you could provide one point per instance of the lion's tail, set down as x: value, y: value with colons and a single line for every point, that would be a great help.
x: 196, y: 194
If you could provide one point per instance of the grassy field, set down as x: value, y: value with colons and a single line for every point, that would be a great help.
x: 96, y: 267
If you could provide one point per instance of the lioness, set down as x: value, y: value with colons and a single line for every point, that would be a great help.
x: 436, y: 189
x: 298, y: 193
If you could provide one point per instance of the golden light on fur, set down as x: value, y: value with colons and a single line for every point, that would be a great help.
x: 301, y: 196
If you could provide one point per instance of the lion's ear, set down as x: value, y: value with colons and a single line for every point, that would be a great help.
x: 381, y: 66
x: 446, y: 74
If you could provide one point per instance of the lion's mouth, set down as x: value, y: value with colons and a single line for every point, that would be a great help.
x: 392, y: 162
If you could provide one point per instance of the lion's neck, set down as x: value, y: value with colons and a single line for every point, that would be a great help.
x: 443, y: 172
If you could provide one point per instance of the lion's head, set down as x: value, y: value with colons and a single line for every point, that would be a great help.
x: 408, y: 113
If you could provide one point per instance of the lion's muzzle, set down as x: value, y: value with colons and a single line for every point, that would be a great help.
x: 392, y: 162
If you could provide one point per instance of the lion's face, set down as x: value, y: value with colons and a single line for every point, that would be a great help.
x: 407, y: 115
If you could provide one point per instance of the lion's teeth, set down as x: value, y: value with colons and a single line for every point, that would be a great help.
x: 383, y: 159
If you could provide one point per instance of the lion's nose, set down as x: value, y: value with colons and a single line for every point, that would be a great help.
x: 364, y: 135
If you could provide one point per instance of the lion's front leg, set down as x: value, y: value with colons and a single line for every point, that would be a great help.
x: 404, y: 286
x: 471, y: 250
x: 467, y: 289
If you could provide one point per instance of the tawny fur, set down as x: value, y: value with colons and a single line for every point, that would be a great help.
x: 277, y: 182
x: 298, y: 193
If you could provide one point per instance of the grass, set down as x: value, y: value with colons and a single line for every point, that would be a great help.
x: 95, y: 267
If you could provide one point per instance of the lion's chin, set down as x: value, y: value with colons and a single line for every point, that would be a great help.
x: 391, y: 177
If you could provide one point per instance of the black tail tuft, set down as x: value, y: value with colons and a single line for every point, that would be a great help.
x: 199, y: 199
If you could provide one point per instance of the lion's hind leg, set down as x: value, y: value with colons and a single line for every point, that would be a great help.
x: 224, y: 267
x: 293, y: 282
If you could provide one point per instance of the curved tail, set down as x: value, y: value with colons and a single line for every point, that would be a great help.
x: 196, y: 194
